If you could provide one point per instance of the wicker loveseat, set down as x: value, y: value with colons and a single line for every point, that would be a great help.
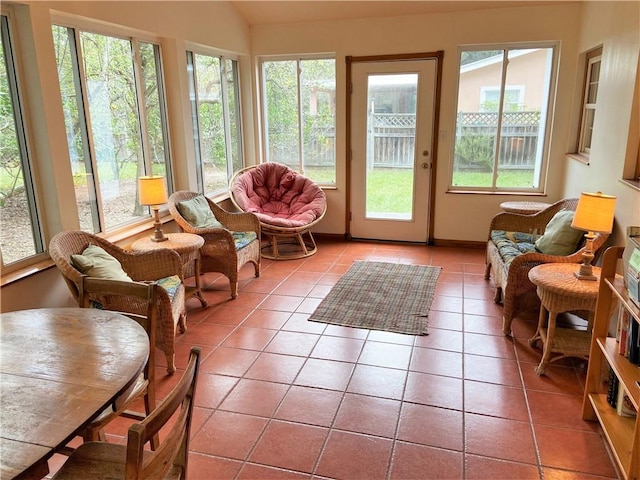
x: 511, y: 253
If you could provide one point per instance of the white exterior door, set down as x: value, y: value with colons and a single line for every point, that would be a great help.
x: 391, y: 142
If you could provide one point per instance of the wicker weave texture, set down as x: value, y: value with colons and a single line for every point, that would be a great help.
x: 513, y: 286
x: 141, y: 267
x: 219, y: 254
x: 297, y: 236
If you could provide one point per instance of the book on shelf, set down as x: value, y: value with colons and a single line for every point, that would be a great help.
x: 624, y: 406
x: 624, y: 318
x: 612, y: 388
x: 633, y: 343
x: 633, y: 277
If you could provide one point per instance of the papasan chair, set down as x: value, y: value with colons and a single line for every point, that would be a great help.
x: 287, y: 205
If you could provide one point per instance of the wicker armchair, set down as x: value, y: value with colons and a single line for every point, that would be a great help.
x: 219, y: 252
x: 513, y: 287
x: 141, y: 267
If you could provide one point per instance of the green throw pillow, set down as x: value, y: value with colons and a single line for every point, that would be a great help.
x: 96, y: 262
x: 196, y: 211
x: 559, y: 238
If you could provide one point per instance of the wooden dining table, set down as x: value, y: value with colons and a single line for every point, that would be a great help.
x: 59, y: 368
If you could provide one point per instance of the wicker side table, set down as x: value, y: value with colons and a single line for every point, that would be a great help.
x: 560, y: 291
x: 188, y: 246
x: 524, y: 208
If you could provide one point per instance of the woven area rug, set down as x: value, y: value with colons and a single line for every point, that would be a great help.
x: 381, y: 296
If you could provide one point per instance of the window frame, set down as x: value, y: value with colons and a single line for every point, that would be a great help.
x: 190, y: 51
x: 19, y: 103
x: 519, y: 89
x: 546, y: 120
x: 78, y: 26
x: 591, y: 57
x: 264, y: 113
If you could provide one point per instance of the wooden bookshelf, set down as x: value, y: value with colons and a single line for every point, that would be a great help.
x: 622, y: 433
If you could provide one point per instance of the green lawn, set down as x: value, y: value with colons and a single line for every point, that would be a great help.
x: 387, y: 189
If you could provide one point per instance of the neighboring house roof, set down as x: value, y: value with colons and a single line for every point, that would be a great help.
x: 495, y: 59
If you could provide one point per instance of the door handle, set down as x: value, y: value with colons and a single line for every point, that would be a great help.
x: 425, y: 165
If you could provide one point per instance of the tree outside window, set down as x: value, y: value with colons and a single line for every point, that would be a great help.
x: 299, y: 99
x: 113, y: 102
x: 20, y: 236
x: 214, y: 94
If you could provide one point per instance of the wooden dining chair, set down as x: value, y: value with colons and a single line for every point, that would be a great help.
x: 132, y: 461
x: 144, y: 386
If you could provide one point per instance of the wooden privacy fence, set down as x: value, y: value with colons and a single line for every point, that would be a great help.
x: 391, y: 140
x: 476, y: 132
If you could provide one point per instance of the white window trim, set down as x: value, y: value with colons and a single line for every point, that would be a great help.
x: 592, y: 56
x: 263, y: 106
x: 135, y: 37
x: 28, y: 170
x: 196, y: 49
x: 493, y: 88
x: 547, y: 118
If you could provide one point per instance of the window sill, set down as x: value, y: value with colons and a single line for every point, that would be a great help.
x: 25, y: 272
x: 121, y: 237
x: 635, y: 184
x: 463, y: 191
x: 580, y: 157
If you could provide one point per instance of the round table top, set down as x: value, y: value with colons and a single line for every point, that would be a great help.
x: 559, y: 278
x: 524, y: 208
x: 60, y: 367
x: 180, y: 242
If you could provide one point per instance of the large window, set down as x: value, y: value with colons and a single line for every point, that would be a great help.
x: 215, y: 107
x: 589, y: 98
x: 299, y: 101
x: 502, y: 117
x: 113, y: 101
x: 20, y: 235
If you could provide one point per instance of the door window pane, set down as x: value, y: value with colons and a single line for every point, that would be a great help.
x: 390, y: 156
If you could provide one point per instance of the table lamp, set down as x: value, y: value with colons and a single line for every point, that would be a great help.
x: 153, y: 192
x: 594, y: 215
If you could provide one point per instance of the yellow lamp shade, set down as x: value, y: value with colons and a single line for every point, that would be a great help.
x: 153, y: 190
x: 595, y: 212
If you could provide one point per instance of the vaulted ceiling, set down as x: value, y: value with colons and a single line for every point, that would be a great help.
x: 267, y: 12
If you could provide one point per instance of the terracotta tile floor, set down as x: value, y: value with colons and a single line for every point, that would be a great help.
x: 281, y: 397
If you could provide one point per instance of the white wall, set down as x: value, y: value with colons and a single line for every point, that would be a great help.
x: 457, y: 216
x: 615, y: 26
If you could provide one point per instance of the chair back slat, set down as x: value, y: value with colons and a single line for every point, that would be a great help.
x: 172, y: 451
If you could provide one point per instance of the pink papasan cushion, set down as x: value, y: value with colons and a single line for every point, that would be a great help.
x: 279, y: 196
